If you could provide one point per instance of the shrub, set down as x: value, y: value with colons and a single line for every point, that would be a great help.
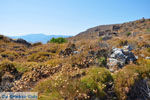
x: 58, y: 40
x: 102, y: 61
x: 128, y: 34
x: 95, y: 80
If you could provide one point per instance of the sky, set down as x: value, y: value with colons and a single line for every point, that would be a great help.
x: 66, y: 17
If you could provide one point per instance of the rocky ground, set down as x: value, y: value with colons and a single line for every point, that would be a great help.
x: 110, y: 62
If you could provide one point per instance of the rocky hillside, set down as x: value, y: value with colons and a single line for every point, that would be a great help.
x: 134, y: 27
x: 109, y: 62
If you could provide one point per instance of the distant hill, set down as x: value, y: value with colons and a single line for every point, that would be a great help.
x: 37, y: 37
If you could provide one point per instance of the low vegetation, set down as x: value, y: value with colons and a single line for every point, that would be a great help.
x: 58, y: 40
x: 128, y: 34
x: 126, y: 78
x: 10, y: 55
x: 40, y: 56
x: 92, y: 83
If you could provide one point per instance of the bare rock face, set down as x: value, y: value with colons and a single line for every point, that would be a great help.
x: 120, y: 57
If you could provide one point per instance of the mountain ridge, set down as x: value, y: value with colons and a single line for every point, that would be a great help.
x: 39, y: 37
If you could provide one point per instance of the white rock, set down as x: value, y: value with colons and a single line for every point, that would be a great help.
x: 147, y: 57
x: 136, y: 57
x: 120, y: 57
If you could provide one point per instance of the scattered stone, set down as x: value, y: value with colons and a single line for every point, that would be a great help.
x: 27, y: 81
x: 70, y: 50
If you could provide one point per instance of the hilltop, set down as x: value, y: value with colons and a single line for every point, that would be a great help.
x: 120, y: 29
x: 106, y: 62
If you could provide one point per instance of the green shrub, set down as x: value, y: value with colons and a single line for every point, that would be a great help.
x: 102, y: 61
x: 58, y: 40
x: 95, y: 80
x: 128, y: 33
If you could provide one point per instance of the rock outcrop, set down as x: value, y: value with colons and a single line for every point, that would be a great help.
x: 119, y: 57
x: 22, y: 41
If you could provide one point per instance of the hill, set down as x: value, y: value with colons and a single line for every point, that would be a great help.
x: 135, y: 27
x: 108, y: 62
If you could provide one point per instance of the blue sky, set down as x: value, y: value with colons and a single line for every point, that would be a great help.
x: 66, y: 17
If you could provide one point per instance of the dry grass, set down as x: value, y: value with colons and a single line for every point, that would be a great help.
x: 60, y: 87
x: 126, y: 77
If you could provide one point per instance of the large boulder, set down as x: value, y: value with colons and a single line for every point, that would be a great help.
x: 120, y: 56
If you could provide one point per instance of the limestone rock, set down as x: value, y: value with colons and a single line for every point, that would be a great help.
x: 121, y: 56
